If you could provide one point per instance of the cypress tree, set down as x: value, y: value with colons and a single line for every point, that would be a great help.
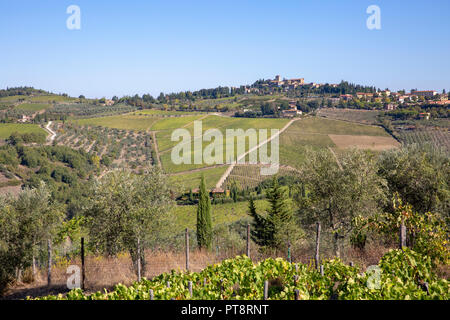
x: 204, y: 224
x: 258, y: 231
x: 277, y: 225
x: 279, y: 218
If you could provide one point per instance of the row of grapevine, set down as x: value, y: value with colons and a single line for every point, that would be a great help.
x: 400, y: 275
x: 249, y: 176
x: 437, y: 137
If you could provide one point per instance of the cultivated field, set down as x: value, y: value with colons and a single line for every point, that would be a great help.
x: 123, y: 148
x: 124, y: 122
x: 249, y: 176
x: 191, y: 179
x: 364, y: 142
x: 359, y: 116
x: 166, y: 126
x: 39, y: 99
x: 7, y: 128
x: 33, y: 106
x: 220, y: 213
x: 317, y: 133
x: 438, y: 137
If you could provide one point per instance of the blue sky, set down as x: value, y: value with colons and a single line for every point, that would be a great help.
x: 137, y: 46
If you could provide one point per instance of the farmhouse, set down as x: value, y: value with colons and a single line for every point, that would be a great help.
x: 346, y: 97
x: 424, y: 115
x: 24, y: 119
x: 290, y: 113
x: 441, y: 103
x: 427, y: 93
x: 391, y: 106
x: 214, y: 192
x: 364, y: 94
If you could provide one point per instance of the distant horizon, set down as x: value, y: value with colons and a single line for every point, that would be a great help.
x: 246, y: 84
x: 138, y: 47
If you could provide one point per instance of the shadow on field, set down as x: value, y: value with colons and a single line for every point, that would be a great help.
x: 21, y: 293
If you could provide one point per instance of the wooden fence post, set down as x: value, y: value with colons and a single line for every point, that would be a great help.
x: 289, y: 252
x: 139, y: 259
x: 317, y: 257
x: 297, y: 294
x: 49, y: 274
x: 321, y: 271
x: 187, y: 248
x: 204, y: 282
x: 295, y: 280
x: 190, y: 288
x: 248, y: 240
x: 152, y: 295
x: 402, y: 235
x: 266, y: 290
x: 168, y: 284
x: 83, y: 274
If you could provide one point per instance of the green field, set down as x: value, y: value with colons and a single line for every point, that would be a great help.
x: 33, y: 106
x: 38, y: 99
x: 165, y: 126
x: 210, y: 122
x: 124, y: 122
x: 220, y: 213
x: 7, y: 128
x: 354, y: 115
x: 191, y: 180
x: 314, y: 132
x: 163, y: 112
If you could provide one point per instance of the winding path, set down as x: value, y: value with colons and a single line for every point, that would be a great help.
x: 53, y: 133
x: 242, y: 156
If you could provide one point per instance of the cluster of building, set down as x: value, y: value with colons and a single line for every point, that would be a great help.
x: 396, y: 98
x: 292, y: 111
x: 286, y: 84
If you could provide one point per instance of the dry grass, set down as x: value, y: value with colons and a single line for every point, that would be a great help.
x: 103, y: 273
x: 374, y: 143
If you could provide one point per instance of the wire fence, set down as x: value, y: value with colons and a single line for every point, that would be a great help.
x: 54, y: 270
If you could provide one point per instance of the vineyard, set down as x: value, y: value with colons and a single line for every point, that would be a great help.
x: 249, y: 176
x: 400, y: 275
x: 116, y: 148
x: 82, y: 110
x: 360, y: 116
x: 437, y: 137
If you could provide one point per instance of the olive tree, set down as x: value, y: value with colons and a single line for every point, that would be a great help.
x: 129, y: 212
x: 338, y: 189
x: 420, y: 174
x: 26, y: 222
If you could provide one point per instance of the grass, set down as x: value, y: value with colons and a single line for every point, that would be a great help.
x: 315, y: 132
x: 38, y: 99
x: 163, y: 112
x: 360, y: 116
x: 220, y: 213
x: 190, y: 180
x: 7, y: 128
x: 124, y: 122
x: 33, y: 106
x: 210, y: 122
x: 326, y: 126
